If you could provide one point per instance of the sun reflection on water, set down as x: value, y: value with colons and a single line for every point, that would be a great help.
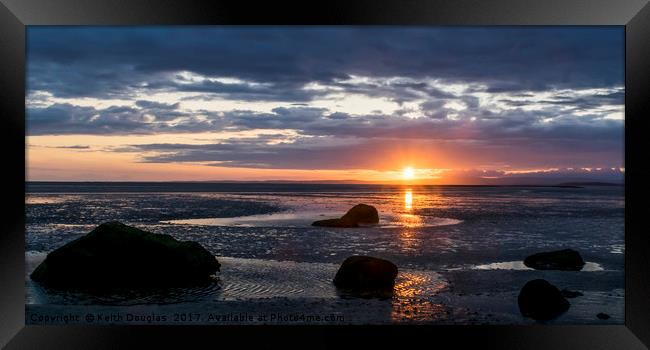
x: 410, y: 303
x: 410, y: 285
x: 410, y: 220
x: 408, y: 199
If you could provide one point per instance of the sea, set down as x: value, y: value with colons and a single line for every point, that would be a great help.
x: 459, y: 251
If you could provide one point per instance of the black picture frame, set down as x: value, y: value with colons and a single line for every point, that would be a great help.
x: 633, y: 14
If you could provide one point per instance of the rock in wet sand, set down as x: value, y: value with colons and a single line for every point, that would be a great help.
x: 359, y: 214
x: 366, y: 276
x: 565, y: 259
x: 114, y: 255
x: 540, y: 300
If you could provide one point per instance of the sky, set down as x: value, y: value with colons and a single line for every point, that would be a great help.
x: 456, y: 105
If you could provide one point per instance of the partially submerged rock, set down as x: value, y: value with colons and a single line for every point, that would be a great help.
x: 366, y: 276
x: 359, y: 214
x: 565, y: 259
x: 540, y: 300
x: 116, y: 255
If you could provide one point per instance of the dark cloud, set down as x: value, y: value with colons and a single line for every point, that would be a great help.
x: 306, y: 153
x: 550, y: 176
x: 157, y: 105
x: 435, y: 109
x: 238, y: 91
x: 338, y: 143
x: 515, y: 127
x: 105, y: 61
x: 74, y: 147
x: 338, y: 116
x: 615, y: 98
x: 68, y: 119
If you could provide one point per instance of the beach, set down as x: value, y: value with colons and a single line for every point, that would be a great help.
x: 459, y: 251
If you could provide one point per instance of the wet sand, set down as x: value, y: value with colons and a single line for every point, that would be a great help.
x: 252, y: 291
x: 459, y: 252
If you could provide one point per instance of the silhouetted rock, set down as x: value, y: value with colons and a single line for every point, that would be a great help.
x: 117, y: 255
x: 366, y: 276
x: 566, y: 259
x: 362, y: 214
x: 603, y: 316
x: 570, y: 293
x: 541, y: 300
x: 359, y: 214
x: 334, y: 223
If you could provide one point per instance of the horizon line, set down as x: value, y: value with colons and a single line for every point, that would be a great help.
x: 337, y: 182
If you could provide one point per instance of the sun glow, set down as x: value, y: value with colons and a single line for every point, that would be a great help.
x: 408, y: 173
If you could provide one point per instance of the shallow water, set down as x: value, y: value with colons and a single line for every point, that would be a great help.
x: 305, y: 218
x: 519, y: 265
x: 268, y: 249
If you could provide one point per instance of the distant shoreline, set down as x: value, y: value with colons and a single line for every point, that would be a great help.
x: 259, y: 186
x: 334, y: 182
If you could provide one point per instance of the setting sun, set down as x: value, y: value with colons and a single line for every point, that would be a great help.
x: 408, y: 173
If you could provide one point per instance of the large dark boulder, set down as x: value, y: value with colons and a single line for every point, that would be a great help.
x: 359, y: 214
x: 541, y: 300
x: 115, y: 255
x: 566, y: 259
x: 366, y: 276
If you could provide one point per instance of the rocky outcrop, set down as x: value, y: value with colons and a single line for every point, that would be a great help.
x: 359, y: 214
x: 117, y: 255
x: 566, y: 259
x: 540, y: 300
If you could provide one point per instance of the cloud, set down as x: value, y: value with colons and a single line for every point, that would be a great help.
x: 385, y: 153
x: 157, y: 105
x: 68, y: 119
x: 74, y: 147
x: 548, y: 176
x: 612, y: 97
x: 509, y: 128
x: 109, y: 61
x: 521, y: 96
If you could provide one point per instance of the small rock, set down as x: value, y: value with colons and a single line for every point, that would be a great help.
x: 566, y: 259
x: 603, y: 316
x: 541, y: 300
